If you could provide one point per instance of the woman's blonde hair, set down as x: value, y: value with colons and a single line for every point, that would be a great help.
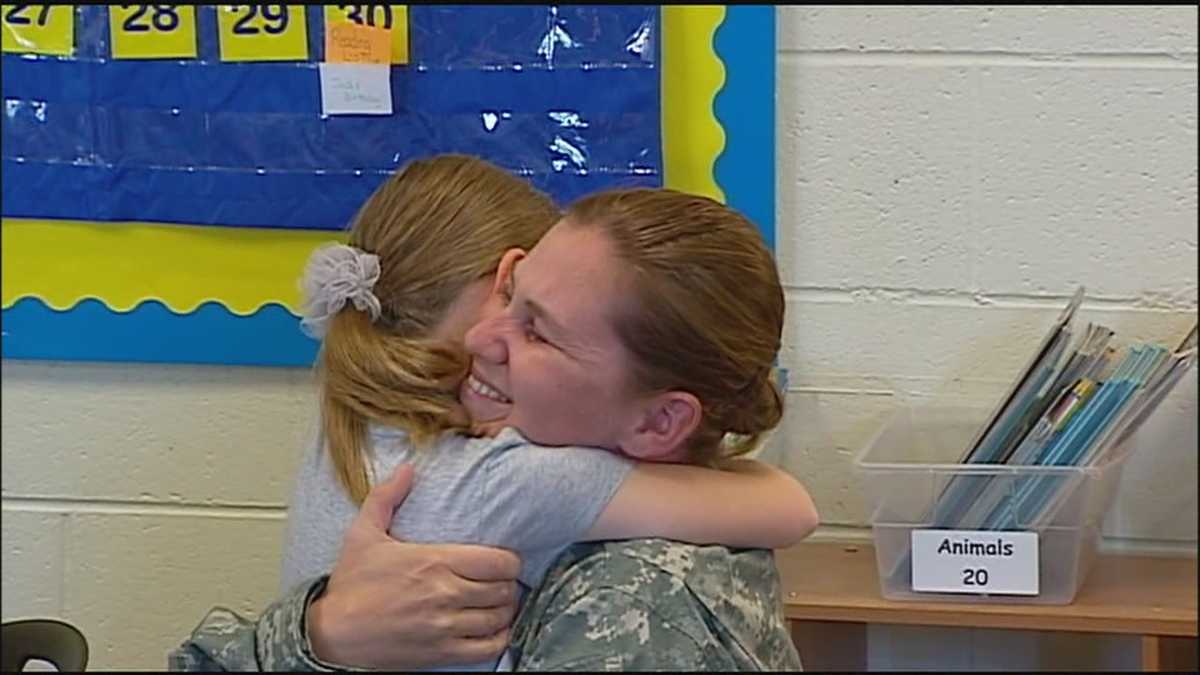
x: 437, y: 225
x: 707, y: 309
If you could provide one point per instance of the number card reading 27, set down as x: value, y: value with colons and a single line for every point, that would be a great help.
x: 262, y: 32
x: 152, y: 31
x: 38, y: 29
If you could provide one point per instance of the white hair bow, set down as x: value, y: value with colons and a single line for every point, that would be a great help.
x: 337, y: 274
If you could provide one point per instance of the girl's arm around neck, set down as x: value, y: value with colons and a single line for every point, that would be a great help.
x: 744, y: 504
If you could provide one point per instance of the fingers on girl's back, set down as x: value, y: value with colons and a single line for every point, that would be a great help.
x: 483, y: 563
x: 482, y: 623
x: 474, y: 649
x: 487, y: 594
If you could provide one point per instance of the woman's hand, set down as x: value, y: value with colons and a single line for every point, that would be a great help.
x: 396, y: 605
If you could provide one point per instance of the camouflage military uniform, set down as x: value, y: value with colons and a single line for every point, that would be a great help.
x: 630, y: 605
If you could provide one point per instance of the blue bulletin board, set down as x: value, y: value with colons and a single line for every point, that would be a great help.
x: 160, y: 196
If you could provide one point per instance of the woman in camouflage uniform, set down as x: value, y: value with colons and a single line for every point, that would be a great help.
x: 705, y: 319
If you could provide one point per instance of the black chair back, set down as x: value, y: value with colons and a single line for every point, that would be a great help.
x: 51, y: 640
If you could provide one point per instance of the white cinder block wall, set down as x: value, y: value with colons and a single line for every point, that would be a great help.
x: 946, y: 176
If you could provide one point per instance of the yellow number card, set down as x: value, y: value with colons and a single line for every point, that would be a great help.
x: 391, y: 17
x: 262, y: 32
x: 152, y: 31
x: 38, y: 29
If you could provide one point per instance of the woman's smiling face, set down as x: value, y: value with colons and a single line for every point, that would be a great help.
x: 549, y: 362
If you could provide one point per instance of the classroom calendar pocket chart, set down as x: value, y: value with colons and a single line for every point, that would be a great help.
x: 168, y: 168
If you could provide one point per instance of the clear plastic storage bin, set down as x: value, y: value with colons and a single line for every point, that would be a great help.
x: 912, y: 461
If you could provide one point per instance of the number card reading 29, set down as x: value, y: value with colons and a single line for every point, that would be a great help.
x: 152, y: 31
x: 393, y: 18
x: 970, y: 561
x: 262, y: 32
x: 38, y: 29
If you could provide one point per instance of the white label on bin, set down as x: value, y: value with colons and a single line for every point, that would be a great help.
x: 975, y: 561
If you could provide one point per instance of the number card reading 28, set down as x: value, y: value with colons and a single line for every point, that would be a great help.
x: 390, y: 17
x: 152, y: 31
x: 262, y: 32
x: 38, y: 29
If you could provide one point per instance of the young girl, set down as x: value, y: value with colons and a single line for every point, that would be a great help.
x: 393, y: 307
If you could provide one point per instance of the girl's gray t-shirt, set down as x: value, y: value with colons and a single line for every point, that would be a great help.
x: 502, y: 491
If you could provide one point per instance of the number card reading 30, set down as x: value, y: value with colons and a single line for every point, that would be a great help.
x: 393, y: 18
x: 262, y: 32
x: 38, y: 29
x: 152, y: 31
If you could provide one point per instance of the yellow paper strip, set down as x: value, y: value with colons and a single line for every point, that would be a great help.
x: 62, y: 262
x: 692, y: 75
x: 38, y: 29
x: 262, y: 32
x: 152, y: 31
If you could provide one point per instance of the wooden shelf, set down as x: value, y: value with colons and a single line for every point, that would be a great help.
x: 1140, y: 595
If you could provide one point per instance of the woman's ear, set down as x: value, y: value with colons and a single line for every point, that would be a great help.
x: 505, y: 269
x: 663, y: 428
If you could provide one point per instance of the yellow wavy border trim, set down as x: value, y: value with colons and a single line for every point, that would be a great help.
x: 123, y: 264
x: 692, y: 75
x: 62, y: 262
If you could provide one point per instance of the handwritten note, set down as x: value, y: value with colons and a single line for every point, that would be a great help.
x: 356, y: 89
x: 347, y: 42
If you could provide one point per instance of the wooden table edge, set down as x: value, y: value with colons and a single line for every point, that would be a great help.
x: 863, y: 602
x: 975, y: 618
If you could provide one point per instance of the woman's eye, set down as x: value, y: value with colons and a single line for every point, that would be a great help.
x: 533, y: 336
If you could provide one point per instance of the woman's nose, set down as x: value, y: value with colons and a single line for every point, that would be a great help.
x: 485, y: 341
